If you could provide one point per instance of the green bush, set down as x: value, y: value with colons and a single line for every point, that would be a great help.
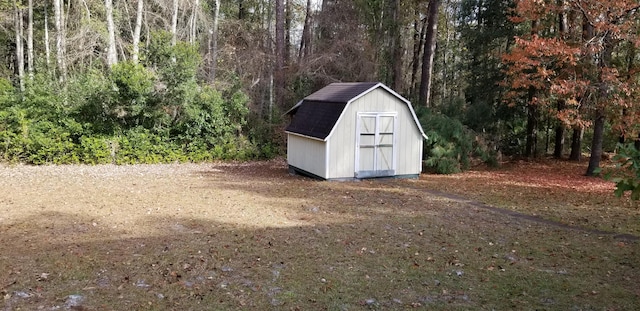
x: 627, y: 178
x: 140, y: 145
x: 133, y: 87
x: 449, y: 145
x: 134, y: 113
x: 96, y: 150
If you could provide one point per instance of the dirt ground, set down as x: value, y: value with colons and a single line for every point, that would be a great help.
x: 251, y: 236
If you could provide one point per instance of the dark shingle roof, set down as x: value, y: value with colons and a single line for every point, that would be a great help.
x: 317, y: 113
x: 315, y: 118
x: 340, y: 92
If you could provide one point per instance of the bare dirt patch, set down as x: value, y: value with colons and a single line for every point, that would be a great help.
x: 250, y: 236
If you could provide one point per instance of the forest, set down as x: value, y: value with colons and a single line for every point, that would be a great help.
x: 135, y: 81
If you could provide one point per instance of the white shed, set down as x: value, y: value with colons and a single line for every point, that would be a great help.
x: 354, y: 130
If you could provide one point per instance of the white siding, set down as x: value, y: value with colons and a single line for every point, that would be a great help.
x: 342, y: 142
x: 307, y: 154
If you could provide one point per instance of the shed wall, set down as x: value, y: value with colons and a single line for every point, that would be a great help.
x: 307, y: 154
x: 342, y: 142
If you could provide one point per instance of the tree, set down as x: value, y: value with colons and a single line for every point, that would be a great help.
x: 30, y: 60
x: 560, y: 128
x: 429, y: 52
x: 213, y: 45
x: 47, y: 48
x: 305, y: 40
x: 582, y: 73
x: 112, y: 56
x: 19, y: 35
x: 60, y: 39
x: 280, y: 53
x: 174, y: 22
x: 612, y: 28
x: 136, y: 33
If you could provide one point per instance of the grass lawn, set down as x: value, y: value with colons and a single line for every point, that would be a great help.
x: 251, y: 237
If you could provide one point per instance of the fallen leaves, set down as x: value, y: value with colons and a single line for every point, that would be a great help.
x: 550, y: 189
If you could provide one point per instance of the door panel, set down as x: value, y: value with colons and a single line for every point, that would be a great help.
x: 376, y: 142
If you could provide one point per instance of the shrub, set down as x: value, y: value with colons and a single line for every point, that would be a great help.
x: 628, y: 166
x: 450, y: 143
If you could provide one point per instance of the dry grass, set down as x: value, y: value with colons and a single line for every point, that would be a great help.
x: 251, y: 237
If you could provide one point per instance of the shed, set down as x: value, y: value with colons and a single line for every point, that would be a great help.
x: 354, y: 130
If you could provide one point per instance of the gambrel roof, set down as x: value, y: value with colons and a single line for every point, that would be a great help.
x: 316, y: 115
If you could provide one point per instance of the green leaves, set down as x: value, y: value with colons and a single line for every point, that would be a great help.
x: 628, y: 167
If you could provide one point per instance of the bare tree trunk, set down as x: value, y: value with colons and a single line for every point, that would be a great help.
x: 279, y: 65
x: 30, y: 59
x: 596, y: 143
x: 287, y: 32
x: 604, y: 61
x: 419, y: 28
x: 429, y: 52
x: 532, y: 113
x: 136, y: 32
x: 174, y: 23
x: 60, y: 40
x: 397, y: 48
x: 214, y: 41
x: 576, y: 144
x: 18, y: 23
x: 532, y: 127
x: 559, y: 130
x: 558, y: 145
x: 47, y: 49
x: 305, y: 40
x: 194, y: 21
x: 112, y: 55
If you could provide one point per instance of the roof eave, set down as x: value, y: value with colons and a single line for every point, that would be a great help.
x: 307, y: 136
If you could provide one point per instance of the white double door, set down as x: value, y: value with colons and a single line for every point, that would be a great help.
x: 375, y: 146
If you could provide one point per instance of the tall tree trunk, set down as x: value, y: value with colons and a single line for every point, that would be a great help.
x: 558, y: 145
x: 214, y: 41
x: 174, y: 23
x: 58, y: 10
x: 578, y: 131
x: 18, y: 23
x: 136, y: 32
x: 419, y: 29
x: 112, y: 55
x: 530, y: 149
x: 305, y: 40
x: 576, y: 144
x: 47, y: 49
x: 429, y: 52
x: 596, y: 143
x: 30, y: 59
x: 532, y: 127
x: 279, y: 65
x: 604, y: 62
x: 397, y: 48
x: 194, y: 22
x: 287, y: 32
